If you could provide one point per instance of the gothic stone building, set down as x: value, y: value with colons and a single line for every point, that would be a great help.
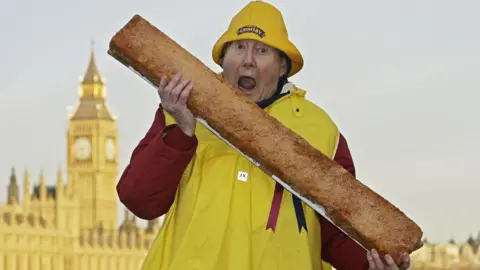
x: 73, y: 225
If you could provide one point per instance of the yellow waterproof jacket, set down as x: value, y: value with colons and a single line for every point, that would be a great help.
x: 218, y: 220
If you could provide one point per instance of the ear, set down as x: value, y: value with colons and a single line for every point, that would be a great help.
x: 283, y: 66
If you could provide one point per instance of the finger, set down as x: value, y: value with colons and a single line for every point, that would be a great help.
x: 378, y: 261
x: 161, y: 85
x: 371, y: 262
x: 171, y: 85
x: 182, y: 99
x: 405, y: 262
x: 391, y: 263
x: 176, y: 92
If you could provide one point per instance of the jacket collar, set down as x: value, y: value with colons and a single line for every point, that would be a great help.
x: 285, y: 90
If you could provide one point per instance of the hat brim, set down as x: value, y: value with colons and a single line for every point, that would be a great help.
x: 285, y: 46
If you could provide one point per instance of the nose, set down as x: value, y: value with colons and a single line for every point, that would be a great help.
x: 248, y: 60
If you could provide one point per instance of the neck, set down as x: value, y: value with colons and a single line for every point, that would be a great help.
x: 276, y: 95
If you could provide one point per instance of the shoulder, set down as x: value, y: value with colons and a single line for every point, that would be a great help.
x: 307, y: 119
x: 342, y: 152
x: 309, y: 108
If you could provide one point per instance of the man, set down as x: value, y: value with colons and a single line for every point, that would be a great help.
x: 219, y: 208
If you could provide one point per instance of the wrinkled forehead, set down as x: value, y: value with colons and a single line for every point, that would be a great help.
x: 252, y: 42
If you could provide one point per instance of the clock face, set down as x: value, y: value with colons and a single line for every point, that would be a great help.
x: 110, y: 149
x: 82, y: 148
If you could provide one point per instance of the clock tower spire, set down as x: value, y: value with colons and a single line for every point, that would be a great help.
x: 92, y: 152
x: 93, y: 86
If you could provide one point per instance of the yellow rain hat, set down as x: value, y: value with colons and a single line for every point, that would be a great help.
x: 262, y: 22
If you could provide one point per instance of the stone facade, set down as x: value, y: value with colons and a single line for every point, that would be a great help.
x: 451, y: 256
x: 73, y: 224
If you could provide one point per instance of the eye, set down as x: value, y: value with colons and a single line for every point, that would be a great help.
x: 238, y: 46
x: 262, y: 50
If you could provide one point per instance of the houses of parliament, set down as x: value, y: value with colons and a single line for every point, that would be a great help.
x: 73, y: 224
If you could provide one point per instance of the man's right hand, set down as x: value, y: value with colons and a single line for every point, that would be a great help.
x: 174, y: 95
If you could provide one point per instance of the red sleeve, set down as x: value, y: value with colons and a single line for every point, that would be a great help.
x: 337, y: 248
x: 148, y: 184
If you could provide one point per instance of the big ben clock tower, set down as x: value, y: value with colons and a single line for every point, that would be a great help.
x: 92, y: 153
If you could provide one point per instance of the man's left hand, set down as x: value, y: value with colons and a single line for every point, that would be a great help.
x: 376, y: 263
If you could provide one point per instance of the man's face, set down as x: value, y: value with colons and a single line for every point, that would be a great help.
x: 253, y: 68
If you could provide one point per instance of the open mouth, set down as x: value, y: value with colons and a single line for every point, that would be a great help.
x: 246, y: 83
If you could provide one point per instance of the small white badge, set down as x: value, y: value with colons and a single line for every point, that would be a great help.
x: 242, y: 176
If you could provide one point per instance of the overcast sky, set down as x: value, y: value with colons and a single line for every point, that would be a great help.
x: 400, y: 78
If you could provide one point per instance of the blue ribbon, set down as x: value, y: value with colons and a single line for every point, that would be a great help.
x: 301, y: 222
